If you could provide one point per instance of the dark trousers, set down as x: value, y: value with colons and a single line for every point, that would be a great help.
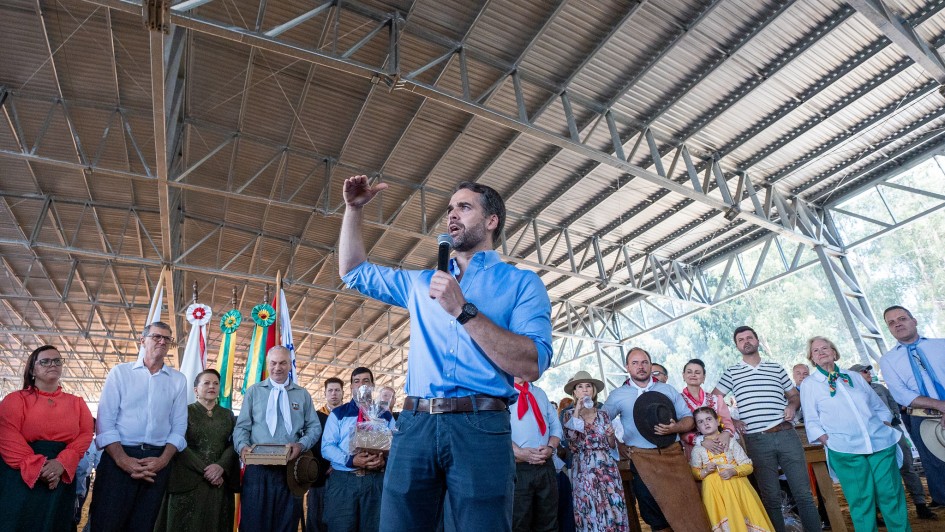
x: 266, y: 502
x: 355, y: 501
x: 934, y: 468
x: 565, y: 504
x: 123, y: 503
x: 315, y: 517
x: 535, y: 500
x: 649, y: 509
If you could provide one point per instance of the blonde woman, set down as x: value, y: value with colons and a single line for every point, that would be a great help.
x: 842, y: 412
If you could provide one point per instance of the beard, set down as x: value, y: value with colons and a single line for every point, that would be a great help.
x: 469, y: 237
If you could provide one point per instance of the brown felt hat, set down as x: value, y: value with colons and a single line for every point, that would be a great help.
x: 301, y: 473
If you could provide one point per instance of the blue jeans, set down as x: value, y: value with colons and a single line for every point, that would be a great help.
x: 768, y: 451
x: 465, y: 456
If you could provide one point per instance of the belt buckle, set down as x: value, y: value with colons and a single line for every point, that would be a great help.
x: 430, y: 409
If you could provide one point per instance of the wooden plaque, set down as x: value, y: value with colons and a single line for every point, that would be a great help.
x: 268, y: 454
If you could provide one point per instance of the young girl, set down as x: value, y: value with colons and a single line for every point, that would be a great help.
x: 729, y: 499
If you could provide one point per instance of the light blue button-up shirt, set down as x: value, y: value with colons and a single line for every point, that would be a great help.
x: 620, y: 403
x: 898, y: 372
x: 138, y: 407
x: 336, y: 438
x: 525, y: 431
x: 444, y: 361
x: 853, y: 419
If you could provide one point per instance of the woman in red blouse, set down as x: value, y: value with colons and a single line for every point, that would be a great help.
x: 43, y: 434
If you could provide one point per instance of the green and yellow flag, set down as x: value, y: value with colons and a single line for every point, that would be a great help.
x: 264, y: 337
x: 228, y: 324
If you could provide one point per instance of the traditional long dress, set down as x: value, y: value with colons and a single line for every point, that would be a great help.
x: 732, y: 505
x: 191, y: 502
x: 36, y: 426
x: 599, y: 505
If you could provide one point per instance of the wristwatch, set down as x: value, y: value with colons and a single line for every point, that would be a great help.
x: 469, y: 312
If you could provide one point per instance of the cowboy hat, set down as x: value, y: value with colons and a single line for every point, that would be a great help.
x: 933, y: 436
x: 301, y: 473
x: 649, y: 410
x: 583, y: 376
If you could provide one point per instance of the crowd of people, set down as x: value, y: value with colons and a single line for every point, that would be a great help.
x: 476, y: 445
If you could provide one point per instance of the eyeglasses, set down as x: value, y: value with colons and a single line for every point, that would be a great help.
x: 46, y: 362
x: 657, y: 373
x: 161, y: 338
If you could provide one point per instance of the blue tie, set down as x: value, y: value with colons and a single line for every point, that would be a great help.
x: 919, y: 363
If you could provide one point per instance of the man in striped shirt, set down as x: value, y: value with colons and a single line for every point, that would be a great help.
x: 767, y: 402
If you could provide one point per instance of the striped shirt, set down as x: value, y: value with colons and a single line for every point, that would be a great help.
x: 759, y: 392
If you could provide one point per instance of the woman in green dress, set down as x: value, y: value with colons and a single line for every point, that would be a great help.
x: 206, y: 474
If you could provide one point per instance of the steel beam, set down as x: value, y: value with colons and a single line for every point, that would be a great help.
x: 898, y: 30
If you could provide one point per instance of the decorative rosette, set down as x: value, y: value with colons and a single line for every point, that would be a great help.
x: 199, y: 314
x: 264, y: 315
x: 231, y: 321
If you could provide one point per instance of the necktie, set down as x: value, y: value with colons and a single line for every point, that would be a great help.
x: 526, y: 399
x: 832, y: 379
x: 918, y: 361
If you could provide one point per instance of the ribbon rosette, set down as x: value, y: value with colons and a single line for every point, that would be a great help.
x: 199, y: 314
x: 231, y: 321
x: 264, y: 315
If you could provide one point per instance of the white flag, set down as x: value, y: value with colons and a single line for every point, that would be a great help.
x: 154, y: 313
x: 285, y: 334
x: 194, y: 359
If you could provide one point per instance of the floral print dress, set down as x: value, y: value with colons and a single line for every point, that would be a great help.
x: 599, y: 504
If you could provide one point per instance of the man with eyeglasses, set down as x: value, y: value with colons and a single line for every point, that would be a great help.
x: 915, y: 372
x: 142, y: 419
x: 659, y: 373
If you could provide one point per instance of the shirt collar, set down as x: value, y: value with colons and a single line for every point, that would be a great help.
x: 481, y: 259
x: 140, y: 364
x: 900, y: 344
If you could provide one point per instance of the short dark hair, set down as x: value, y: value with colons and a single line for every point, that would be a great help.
x: 658, y: 364
x: 335, y: 380
x: 645, y: 352
x: 743, y: 328
x: 491, y: 203
x: 206, y: 372
x: 696, y: 361
x: 158, y: 324
x: 897, y: 307
x: 29, y: 380
x: 361, y: 369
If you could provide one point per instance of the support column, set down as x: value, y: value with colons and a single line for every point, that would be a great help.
x: 854, y: 307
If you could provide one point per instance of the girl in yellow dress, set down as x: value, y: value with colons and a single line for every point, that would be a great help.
x: 729, y: 499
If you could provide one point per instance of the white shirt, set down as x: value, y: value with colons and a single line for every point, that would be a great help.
x: 853, y: 419
x: 138, y: 407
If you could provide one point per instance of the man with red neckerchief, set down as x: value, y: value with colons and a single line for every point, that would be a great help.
x: 536, y: 433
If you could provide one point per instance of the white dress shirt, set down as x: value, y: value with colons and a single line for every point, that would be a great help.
x: 897, y: 371
x: 138, y: 407
x: 853, y: 419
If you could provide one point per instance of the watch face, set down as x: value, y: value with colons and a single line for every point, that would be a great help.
x: 470, y: 309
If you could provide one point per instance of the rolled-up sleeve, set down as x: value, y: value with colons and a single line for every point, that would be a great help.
x: 389, y: 285
x: 178, y: 433
x: 897, y: 380
x: 532, y: 318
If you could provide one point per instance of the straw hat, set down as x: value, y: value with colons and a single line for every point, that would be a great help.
x: 933, y: 436
x: 583, y: 376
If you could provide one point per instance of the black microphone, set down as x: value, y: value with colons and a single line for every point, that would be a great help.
x: 444, y: 245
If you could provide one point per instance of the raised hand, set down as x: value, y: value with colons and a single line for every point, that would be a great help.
x: 358, y: 191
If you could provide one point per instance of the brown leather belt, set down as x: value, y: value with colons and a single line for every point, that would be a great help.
x: 450, y: 405
x: 784, y: 425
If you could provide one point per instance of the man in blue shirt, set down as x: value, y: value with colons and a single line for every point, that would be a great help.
x: 662, y: 479
x: 355, y: 484
x: 915, y: 371
x: 471, y: 330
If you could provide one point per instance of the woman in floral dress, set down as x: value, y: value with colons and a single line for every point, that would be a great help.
x: 599, y: 504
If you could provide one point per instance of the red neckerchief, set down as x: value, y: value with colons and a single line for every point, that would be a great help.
x: 693, y: 403
x: 525, y: 395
